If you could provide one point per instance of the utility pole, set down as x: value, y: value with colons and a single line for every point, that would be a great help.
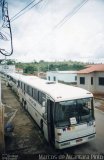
x: 6, y: 26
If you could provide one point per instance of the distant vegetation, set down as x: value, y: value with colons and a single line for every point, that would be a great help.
x: 44, y: 66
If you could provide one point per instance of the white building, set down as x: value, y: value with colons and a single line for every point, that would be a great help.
x: 7, y: 68
x: 19, y: 70
x: 62, y: 76
x: 92, y: 78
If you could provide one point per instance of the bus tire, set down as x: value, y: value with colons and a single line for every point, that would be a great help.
x: 22, y: 102
x: 25, y: 104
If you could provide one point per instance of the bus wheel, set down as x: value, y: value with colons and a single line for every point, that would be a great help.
x: 25, y: 105
x: 22, y: 102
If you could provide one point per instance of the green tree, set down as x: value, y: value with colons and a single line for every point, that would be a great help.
x: 29, y: 69
x: 10, y: 62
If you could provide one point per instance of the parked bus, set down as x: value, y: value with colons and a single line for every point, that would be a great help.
x: 64, y: 113
x: 12, y: 80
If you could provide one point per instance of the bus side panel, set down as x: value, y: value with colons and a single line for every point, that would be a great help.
x: 37, y: 117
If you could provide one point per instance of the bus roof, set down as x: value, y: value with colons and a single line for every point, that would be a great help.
x: 18, y: 76
x: 57, y: 91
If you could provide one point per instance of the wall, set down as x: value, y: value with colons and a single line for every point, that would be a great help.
x: 99, y: 88
x: 65, y: 77
x: 86, y: 85
x: 7, y: 68
x: 95, y: 88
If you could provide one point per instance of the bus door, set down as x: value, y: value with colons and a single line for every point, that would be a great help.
x: 50, y: 121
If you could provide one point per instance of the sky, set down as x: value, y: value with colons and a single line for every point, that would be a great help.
x: 39, y: 34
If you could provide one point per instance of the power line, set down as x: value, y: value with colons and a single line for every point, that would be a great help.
x: 19, y: 13
x: 22, y: 10
x: 69, y: 15
x: 44, y: 4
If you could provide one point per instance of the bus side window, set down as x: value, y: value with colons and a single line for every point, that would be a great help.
x: 24, y: 87
x: 32, y: 92
x: 19, y: 83
x: 42, y: 99
x: 35, y: 94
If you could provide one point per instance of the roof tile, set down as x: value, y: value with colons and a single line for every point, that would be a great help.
x: 92, y: 68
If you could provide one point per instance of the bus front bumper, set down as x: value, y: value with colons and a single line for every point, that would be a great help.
x: 74, y: 142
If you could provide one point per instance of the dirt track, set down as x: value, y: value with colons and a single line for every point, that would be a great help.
x: 27, y: 137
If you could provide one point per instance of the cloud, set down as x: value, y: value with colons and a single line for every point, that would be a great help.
x: 81, y: 36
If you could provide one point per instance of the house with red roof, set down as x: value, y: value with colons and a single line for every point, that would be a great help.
x: 92, y: 78
x: 19, y: 70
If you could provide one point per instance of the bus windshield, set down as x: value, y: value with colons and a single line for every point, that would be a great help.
x: 74, y: 112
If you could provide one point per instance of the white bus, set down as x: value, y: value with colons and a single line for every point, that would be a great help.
x: 12, y: 80
x: 64, y: 113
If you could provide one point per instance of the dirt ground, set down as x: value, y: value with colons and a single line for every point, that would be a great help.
x: 26, y: 137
